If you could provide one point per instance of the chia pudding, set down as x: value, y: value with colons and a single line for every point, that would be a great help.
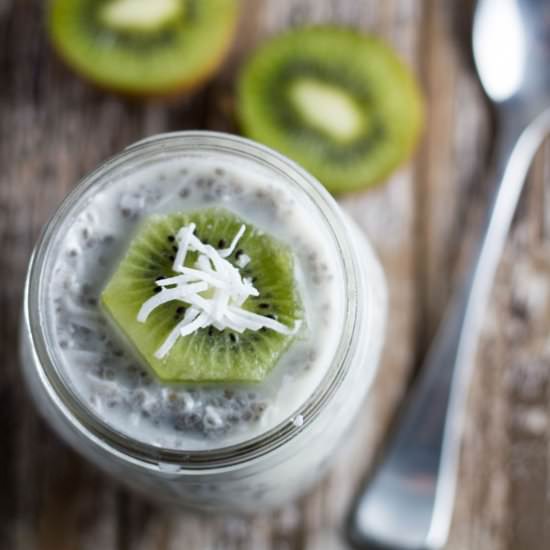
x: 115, y: 384
x: 92, y: 369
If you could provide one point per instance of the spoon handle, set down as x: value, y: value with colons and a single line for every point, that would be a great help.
x: 407, y: 503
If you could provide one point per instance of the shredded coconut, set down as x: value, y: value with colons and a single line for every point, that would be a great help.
x: 213, y: 289
x: 243, y: 260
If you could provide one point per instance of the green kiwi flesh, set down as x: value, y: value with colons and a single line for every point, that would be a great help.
x: 143, y: 47
x: 207, y: 355
x: 340, y: 103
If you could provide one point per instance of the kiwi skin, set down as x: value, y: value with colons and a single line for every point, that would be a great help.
x: 185, y: 87
x: 337, y: 183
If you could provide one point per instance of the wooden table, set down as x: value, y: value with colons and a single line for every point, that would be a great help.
x: 54, y: 129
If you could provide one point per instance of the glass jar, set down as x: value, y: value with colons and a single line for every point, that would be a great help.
x: 260, y: 472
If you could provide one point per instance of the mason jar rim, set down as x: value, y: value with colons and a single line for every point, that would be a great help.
x: 146, y: 454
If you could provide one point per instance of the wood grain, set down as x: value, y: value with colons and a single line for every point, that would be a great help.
x: 54, y: 128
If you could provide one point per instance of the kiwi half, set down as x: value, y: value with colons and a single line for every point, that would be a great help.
x: 208, y: 354
x: 338, y: 102
x: 143, y: 47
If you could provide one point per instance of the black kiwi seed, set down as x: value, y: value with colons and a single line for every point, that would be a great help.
x: 180, y: 310
x: 239, y: 253
x: 157, y: 289
x: 221, y: 243
x: 171, y: 238
x: 171, y: 257
x: 263, y: 305
x: 232, y: 337
x: 175, y: 248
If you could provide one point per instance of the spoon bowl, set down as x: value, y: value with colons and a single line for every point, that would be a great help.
x: 511, y: 48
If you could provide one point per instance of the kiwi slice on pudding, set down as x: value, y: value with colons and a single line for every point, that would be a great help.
x: 340, y: 103
x: 248, y: 337
x: 143, y: 47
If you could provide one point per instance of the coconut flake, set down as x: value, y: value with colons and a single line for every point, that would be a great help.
x: 243, y: 260
x: 165, y: 296
x: 213, y: 287
x: 225, y: 252
x: 190, y: 315
x: 183, y: 238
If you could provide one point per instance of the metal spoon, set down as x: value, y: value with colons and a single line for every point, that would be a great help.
x: 408, y: 502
